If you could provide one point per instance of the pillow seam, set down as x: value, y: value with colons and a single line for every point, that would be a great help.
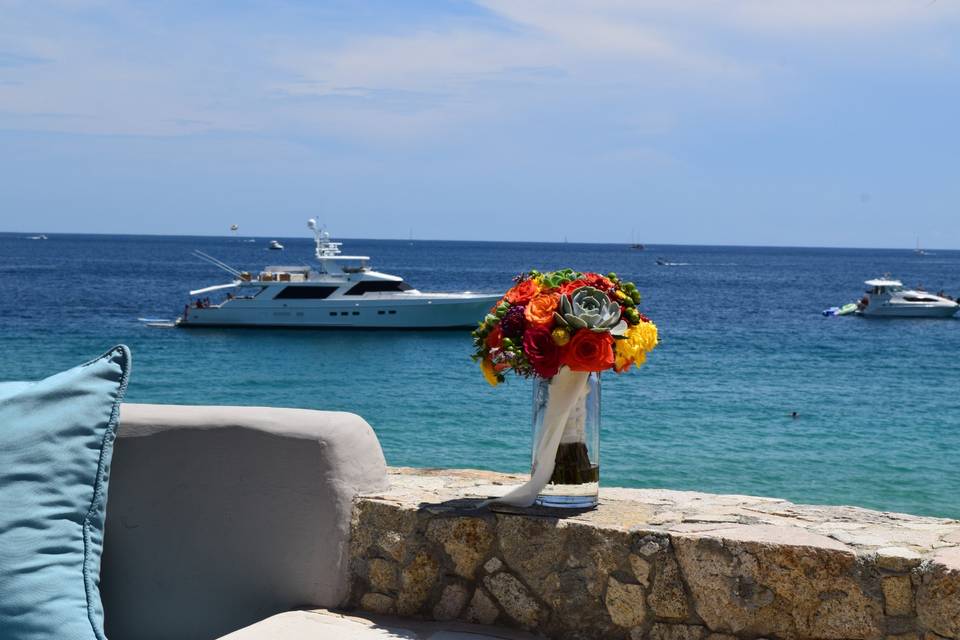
x: 98, y: 492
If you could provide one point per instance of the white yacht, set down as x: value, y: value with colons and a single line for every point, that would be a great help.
x: 340, y: 291
x: 275, y: 245
x: 888, y: 298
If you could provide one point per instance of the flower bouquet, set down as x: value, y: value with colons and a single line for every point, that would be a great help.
x: 563, y: 328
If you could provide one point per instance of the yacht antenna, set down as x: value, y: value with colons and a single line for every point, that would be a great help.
x: 329, y: 251
x: 325, y: 248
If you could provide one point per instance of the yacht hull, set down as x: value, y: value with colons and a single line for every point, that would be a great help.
x: 427, y: 313
x: 909, y: 311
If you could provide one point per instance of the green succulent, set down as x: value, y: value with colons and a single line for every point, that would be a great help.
x: 590, y: 308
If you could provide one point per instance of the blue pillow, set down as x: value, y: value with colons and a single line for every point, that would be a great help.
x: 56, y: 442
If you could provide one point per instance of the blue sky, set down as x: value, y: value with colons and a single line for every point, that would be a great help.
x: 796, y: 122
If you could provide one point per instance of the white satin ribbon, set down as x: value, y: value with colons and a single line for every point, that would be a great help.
x: 566, y: 388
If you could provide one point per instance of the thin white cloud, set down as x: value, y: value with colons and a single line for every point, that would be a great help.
x: 846, y: 16
x: 532, y: 56
x: 795, y: 17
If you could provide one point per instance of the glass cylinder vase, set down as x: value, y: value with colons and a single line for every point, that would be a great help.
x: 575, y: 481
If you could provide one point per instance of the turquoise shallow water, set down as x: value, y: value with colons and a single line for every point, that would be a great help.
x: 743, y: 345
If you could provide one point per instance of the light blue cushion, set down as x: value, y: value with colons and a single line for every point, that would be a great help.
x: 56, y: 441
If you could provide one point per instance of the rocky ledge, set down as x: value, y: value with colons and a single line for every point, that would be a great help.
x: 657, y: 564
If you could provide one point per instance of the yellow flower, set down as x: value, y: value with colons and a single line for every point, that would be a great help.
x: 639, y: 340
x: 645, y: 334
x: 486, y: 367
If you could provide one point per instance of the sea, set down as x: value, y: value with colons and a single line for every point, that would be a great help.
x: 743, y: 346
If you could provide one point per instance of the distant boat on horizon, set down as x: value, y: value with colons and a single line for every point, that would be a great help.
x: 663, y: 262
x: 39, y: 237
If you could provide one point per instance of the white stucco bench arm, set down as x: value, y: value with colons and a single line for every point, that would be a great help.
x: 219, y: 517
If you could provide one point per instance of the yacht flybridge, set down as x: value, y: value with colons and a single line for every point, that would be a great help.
x: 887, y: 298
x: 339, y: 291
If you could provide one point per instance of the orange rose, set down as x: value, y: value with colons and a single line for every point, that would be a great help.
x: 523, y: 292
x: 589, y: 351
x: 540, y: 309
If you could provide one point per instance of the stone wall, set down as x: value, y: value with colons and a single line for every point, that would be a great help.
x: 663, y: 565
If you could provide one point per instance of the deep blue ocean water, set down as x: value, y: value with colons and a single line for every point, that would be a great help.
x: 743, y: 345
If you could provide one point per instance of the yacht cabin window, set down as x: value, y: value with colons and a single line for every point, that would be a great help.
x: 305, y: 292
x: 377, y: 286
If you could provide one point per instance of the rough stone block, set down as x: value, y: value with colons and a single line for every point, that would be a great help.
x: 451, y: 603
x: 899, y: 559
x: 531, y: 547
x: 898, y: 596
x: 492, y: 565
x: 416, y: 581
x: 482, y: 609
x: 514, y: 598
x: 759, y: 588
x: 465, y: 540
x: 625, y: 604
x: 721, y: 636
x: 640, y: 568
x: 377, y: 603
x: 903, y: 636
x: 664, y: 631
x: 382, y: 575
x: 382, y: 528
x: 938, y: 596
x: 667, y: 596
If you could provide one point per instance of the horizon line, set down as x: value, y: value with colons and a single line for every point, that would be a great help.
x: 345, y: 238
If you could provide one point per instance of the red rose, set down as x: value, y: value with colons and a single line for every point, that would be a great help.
x: 494, y: 337
x: 522, y: 293
x: 597, y: 281
x: 570, y: 287
x: 589, y: 351
x: 542, y: 352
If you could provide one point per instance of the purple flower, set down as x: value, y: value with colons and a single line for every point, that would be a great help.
x: 513, y: 322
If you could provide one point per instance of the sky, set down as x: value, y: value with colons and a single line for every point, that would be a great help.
x: 750, y: 122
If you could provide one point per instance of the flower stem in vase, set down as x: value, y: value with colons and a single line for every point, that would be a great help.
x: 573, y: 465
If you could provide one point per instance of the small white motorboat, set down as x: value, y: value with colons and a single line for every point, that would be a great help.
x: 886, y: 298
x: 275, y: 246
